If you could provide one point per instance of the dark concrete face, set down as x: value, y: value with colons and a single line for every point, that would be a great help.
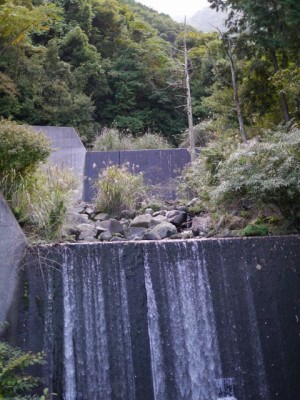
x: 159, y: 167
x: 12, y: 245
x: 68, y: 150
x: 255, y: 291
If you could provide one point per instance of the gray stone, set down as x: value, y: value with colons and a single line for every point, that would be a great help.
x: 187, y: 235
x: 201, y: 225
x: 105, y: 236
x: 151, y: 236
x: 163, y: 230
x: 101, y: 217
x: 135, y: 233
x: 128, y: 214
x: 149, y: 211
x: 141, y: 221
x: 178, y: 219
x: 12, y: 245
x: 161, y: 212
x: 118, y: 239
x: 87, y: 231
x: 75, y: 219
x: 112, y: 226
x: 157, y: 220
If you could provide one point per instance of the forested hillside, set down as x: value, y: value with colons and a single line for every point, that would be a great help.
x: 96, y: 63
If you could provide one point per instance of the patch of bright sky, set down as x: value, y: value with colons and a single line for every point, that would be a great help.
x: 176, y: 8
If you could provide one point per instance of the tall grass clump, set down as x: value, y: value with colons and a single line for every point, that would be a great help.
x: 112, y: 139
x: 119, y: 189
x: 40, y: 201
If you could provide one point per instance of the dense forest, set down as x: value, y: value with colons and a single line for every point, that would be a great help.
x: 96, y: 63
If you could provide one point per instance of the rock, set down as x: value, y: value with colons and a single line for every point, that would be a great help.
x: 149, y: 211
x: 236, y: 223
x: 151, y: 236
x: 141, y: 221
x: 89, y: 211
x: 112, y: 226
x: 128, y: 214
x: 135, y: 233
x: 87, y: 231
x: 101, y: 217
x: 163, y: 230
x: 178, y: 219
x: 105, y: 236
x: 161, y: 212
x: 176, y: 236
x: 183, y: 208
x: 157, y: 220
x: 187, y: 235
x: 117, y: 239
x: 75, y: 219
x: 201, y: 225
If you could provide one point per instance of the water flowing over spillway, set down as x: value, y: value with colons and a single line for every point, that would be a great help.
x: 89, y: 367
x: 183, y: 323
x: 172, y: 320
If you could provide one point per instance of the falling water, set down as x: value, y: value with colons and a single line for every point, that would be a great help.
x: 184, y: 351
x: 97, y: 346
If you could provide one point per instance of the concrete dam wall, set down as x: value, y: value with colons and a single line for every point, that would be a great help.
x: 171, y: 320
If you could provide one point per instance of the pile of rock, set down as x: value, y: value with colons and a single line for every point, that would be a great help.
x: 87, y: 224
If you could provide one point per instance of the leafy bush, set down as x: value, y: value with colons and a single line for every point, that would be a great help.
x: 21, y: 149
x: 119, y: 189
x: 199, y: 178
x: 14, y: 381
x: 40, y: 200
x: 203, y: 131
x: 112, y: 139
x: 266, y: 171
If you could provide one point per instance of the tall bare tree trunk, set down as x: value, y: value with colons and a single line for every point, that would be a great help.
x: 237, y: 101
x: 189, y: 99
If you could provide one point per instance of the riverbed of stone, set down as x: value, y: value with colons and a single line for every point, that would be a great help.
x: 87, y: 224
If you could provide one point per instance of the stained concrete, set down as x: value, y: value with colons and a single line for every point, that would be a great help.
x: 160, y: 168
x: 255, y: 288
x: 68, y: 150
x: 12, y: 245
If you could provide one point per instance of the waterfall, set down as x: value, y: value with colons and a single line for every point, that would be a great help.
x: 184, y: 350
x: 97, y: 344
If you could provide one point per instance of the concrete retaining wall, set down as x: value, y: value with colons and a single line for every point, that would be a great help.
x: 12, y: 245
x: 159, y: 167
x: 69, y: 151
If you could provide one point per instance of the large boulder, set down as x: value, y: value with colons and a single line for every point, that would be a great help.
x: 112, y: 226
x: 161, y: 231
x: 141, y: 221
x: 201, y: 225
x: 87, y: 232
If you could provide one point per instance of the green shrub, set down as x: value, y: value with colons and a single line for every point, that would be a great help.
x: 21, y: 149
x: 255, y: 230
x: 15, y: 382
x: 263, y: 171
x: 199, y: 178
x: 112, y: 139
x: 203, y: 131
x: 119, y: 189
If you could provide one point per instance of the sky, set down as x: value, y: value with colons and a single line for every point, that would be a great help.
x: 176, y: 8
